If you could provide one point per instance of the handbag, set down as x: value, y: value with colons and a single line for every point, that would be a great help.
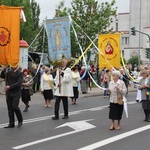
x: 119, y: 98
x: 30, y: 91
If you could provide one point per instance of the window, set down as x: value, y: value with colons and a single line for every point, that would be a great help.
x: 125, y: 40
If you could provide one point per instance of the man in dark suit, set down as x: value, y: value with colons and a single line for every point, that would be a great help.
x: 14, y: 79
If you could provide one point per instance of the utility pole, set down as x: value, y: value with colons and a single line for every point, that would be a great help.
x: 56, y: 12
x: 133, y: 32
x: 140, y: 35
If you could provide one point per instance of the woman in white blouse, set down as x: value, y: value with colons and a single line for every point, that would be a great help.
x: 47, y: 86
x: 116, y: 88
x: 75, y: 82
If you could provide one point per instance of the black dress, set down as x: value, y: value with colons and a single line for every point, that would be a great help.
x: 25, y: 95
x: 75, y: 93
x: 48, y: 94
x: 116, y: 111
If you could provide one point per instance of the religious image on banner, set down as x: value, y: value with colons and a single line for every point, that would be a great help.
x: 4, y: 36
x: 109, y: 49
x: 9, y: 35
x: 109, y: 45
x: 58, y: 32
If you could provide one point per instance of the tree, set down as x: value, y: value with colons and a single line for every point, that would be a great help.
x: 133, y: 61
x: 42, y: 42
x: 30, y: 28
x: 92, y: 17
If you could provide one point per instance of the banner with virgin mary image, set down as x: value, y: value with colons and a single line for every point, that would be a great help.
x: 58, y: 33
x: 109, y: 45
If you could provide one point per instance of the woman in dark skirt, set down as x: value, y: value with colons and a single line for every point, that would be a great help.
x: 116, y: 89
x: 47, y: 86
x: 75, y: 82
x: 26, y: 85
x: 144, y: 86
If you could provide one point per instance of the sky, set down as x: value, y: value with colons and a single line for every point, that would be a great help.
x: 48, y: 7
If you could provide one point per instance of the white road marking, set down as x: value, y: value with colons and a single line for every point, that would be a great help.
x: 49, y: 117
x: 70, y: 113
x: 78, y: 126
x: 114, y: 138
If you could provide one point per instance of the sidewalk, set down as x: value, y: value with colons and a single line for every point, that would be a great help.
x: 95, y: 91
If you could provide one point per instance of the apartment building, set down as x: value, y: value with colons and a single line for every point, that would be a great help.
x: 138, y: 17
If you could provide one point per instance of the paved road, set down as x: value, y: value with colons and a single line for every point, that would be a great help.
x: 86, y: 128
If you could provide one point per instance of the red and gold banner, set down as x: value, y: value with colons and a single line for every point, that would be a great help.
x: 109, y: 44
x: 9, y: 35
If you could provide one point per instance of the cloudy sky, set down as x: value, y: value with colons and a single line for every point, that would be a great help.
x: 48, y: 6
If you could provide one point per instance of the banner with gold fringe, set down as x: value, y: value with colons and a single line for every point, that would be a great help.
x: 9, y: 35
x: 58, y: 33
x: 109, y: 44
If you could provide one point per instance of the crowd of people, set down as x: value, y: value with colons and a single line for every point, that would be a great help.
x: 62, y: 82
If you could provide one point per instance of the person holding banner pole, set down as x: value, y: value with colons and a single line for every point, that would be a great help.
x: 63, y: 81
x: 14, y: 79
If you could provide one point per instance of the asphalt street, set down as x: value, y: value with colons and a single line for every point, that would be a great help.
x: 87, y: 127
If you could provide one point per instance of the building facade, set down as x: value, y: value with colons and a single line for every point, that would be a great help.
x: 138, y: 17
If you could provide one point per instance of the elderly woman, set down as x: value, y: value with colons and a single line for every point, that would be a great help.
x: 144, y: 87
x: 116, y: 89
x: 47, y: 86
x: 26, y: 85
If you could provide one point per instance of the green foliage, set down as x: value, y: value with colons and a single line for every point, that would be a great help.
x: 58, y: 62
x: 30, y: 28
x: 42, y: 42
x: 133, y: 61
x: 92, y: 17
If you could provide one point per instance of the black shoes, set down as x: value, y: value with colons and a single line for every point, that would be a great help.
x: 55, y: 118
x: 10, y: 126
x: 146, y: 119
x: 19, y: 124
x: 65, y: 117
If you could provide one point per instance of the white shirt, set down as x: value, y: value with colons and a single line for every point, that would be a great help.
x: 75, y: 78
x: 66, y: 88
x: 44, y: 83
x: 113, y: 94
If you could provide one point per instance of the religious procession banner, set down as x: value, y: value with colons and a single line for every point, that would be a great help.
x: 9, y: 35
x: 109, y: 44
x: 58, y: 32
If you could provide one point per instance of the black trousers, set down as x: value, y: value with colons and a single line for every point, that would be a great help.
x: 12, y: 106
x: 57, y: 104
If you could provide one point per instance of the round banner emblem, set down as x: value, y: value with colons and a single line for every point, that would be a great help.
x: 4, y: 36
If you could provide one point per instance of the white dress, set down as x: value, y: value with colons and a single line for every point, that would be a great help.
x: 66, y: 88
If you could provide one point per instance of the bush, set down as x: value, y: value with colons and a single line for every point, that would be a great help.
x: 133, y: 61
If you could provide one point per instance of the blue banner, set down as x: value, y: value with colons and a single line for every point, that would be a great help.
x: 58, y: 33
